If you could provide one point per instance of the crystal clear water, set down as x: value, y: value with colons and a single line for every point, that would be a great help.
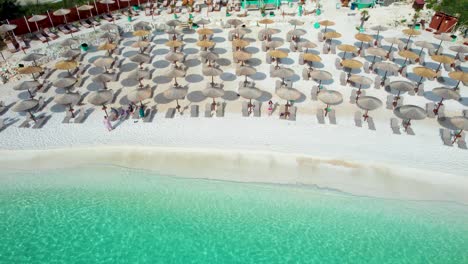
x: 118, y: 215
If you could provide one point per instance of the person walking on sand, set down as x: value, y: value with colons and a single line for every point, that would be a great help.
x: 107, y: 123
x: 270, y: 108
x: 142, y: 112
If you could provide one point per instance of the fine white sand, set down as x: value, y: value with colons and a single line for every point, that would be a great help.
x: 265, y: 149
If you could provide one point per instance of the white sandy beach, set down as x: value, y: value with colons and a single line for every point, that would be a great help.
x: 265, y: 149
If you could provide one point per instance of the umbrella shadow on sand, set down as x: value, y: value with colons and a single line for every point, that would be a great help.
x: 160, y: 51
x: 252, y: 50
x: 464, y: 101
x: 294, y: 78
x: 161, y: 64
x: 432, y: 65
x: 160, y: 41
x: 130, y: 53
x: 258, y: 76
x: 57, y: 108
x: 189, y: 51
x: 192, y: 62
x: 127, y: 67
x: 413, y: 77
x: 162, y: 79
x: 218, y: 39
x: 219, y: 51
x: 227, y: 77
x: 431, y: 96
x: 196, y: 97
x: 230, y: 96
x: 190, y: 40
x: 266, y: 96
x: 95, y: 71
x: 129, y: 82
x: 94, y: 86
x: 23, y: 95
x: 161, y: 99
x: 254, y: 62
x: 446, y: 81
x: 301, y: 99
x: 223, y: 62
x: 194, y: 78
x: 287, y: 61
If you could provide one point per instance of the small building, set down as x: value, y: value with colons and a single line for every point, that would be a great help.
x: 418, y: 4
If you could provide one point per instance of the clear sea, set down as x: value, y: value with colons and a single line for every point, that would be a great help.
x: 104, y: 214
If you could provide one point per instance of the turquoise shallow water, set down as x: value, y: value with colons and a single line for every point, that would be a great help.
x: 118, y: 215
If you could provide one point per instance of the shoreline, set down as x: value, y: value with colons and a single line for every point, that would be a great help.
x: 270, y: 167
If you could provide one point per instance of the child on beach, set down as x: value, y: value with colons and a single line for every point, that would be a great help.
x: 270, y: 108
x: 107, y: 123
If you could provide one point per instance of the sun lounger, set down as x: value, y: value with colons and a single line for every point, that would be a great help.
x: 208, y: 110
x: 72, y: 27
x: 325, y: 48
x: 389, y: 101
x: 194, y: 111
x: 94, y: 22
x: 446, y: 136
x: 332, y: 117
x: 377, y: 82
x: 245, y: 110
x: 441, y: 112
x: 333, y: 49
x: 320, y: 37
x: 358, y: 118
x: 257, y: 109
x: 40, y: 37
x: 40, y: 122
x: 314, y: 92
x: 220, y: 109
x: 292, y: 113
x: 66, y: 119
x: 430, y: 110
x: 82, y: 115
x: 107, y: 17
x: 50, y: 34
x: 282, y: 110
x: 85, y: 24
x: 366, y: 67
x: 320, y: 116
x: 410, y: 131
x: 343, y: 78
x: 352, y: 97
x: 395, y: 126
x: 25, y: 124
x: 170, y: 113
x: 149, y: 115
x: 370, y: 123
x: 305, y: 74
x: 465, y: 113
x: 2, y: 124
x: 421, y: 89
x: 21, y: 43
x: 63, y: 29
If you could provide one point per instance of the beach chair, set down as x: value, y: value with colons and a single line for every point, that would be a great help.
x: 441, y: 111
x: 40, y: 122
x: 358, y: 119
x: 338, y: 64
x: 72, y: 27
x: 410, y: 131
x: 245, y: 109
x: 50, y: 34
x: 208, y: 110
x: 465, y: 113
x: 40, y: 37
x: 461, y: 141
x: 421, y: 89
x: 314, y: 92
x: 389, y: 101
x: 362, y: 52
x: 352, y: 97
x: 194, y: 111
x: 220, y: 109
x: 2, y: 124
x: 333, y: 49
x: 107, y: 17
x: 170, y: 113
x: 282, y: 111
x: 320, y: 116
x: 301, y: 59
x: 257, y: 111
x: 343, y: 78
x: 305, y: 74
x: 268, y: 58
x: 63, y: 29
x: 25, y: 124
x: 320, y: 37
x: 395, y: 126
x: 149, y: 115
x: 66, y: 119
x: 430, y: 110
x: 366, y: 67
x: 21, y: 43
x: 264, y: 47
x: 377, y: 82
x: 292, y: 113
x: 446, y: 136
x: 325, y: 48
x: 81, y: 117
x: 332, y: 117
x: 370, y: 123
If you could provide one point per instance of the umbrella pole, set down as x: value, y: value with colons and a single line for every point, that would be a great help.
x: 389, y: 50
x: 245, y: 79
x: 440, y: 45
x: 34, y: 77
x: 457, y: 136
x: 344, y: 55
x: 326, y: 110
x: 71, y: 111
x: 360, y: 47
x: 407, y: 42
x: 178, y: 106
x: 366, y: 115
x: 420, y: 52
x: 438, y: 68
x: 32, y: 116
x: 384, y: 77
x: 212, y: 80
x: 377, y: 38
x: 456, y: 87
x: 436, y: 110
x: 30, y: 94
x: 3, y: 57
x: 407, y: 124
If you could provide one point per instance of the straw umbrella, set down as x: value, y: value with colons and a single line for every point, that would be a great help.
x: 141, y: 33
x: 239, y: 43
x: 282, y: 73
x: 351, y: 64
x: 401, y: 87
x: 330, y: 97
x: 141, y: 44
x: 138, y: 74
x: 268, y: 32
x: 104, y: 78
x: 307, y: 45
x: 29, y: 70
x: 445, y: 94
x: 37, y: 18
x: 442, y: 37
x: 70, y: 54
x: 311, y: 58
x: 296, y: 23
x: 66, y: 65
x: 211, y: 71
x: 408, y: 113
x: 202, y: 22
x: 109, y: 47
x: 68, y: 99
x: 28, y: 86
x: 410, y: 32
x: 140, y: 58
x: 87, y: 8
x: 386, y: 67
x: 107, y: 3
x: 363, y: 38
x: 175, y: 73
x: 104, y: 62
x: 101, y: 98
x: 423, y: 72
x: 346, y: 48
x: 360, y: 81
x: 205, y: 32
x: 368, y: 103
x: 242, y: 56
x: 278, y: 54
x: 176, y: 93
x: 245, y: 71
x: 173, y: 23
x: 274, y: 44
x: 141, y: 25
x: 458, y: 76
x: 174, y: 32
x: 205, y: 44
x: 109, y: 27
x: 139, y: 95
x: 110, y: 36
x: 459, y: 50
x: 63, y: 12
x: 288, y: 94
x: 320, y: 76
x: 250, y: 93
x: 64, y: 83
x: 378, y: 28
x: 459, y: 123
x: 235, y: 22
x: 326, y: 24
x: 392, y: 41
x: 297, y: 33
x: 408, y: 55
x: 266, y: 22
x: 33, y: 57
x: 174, y: 44
x: 174, y: 57
x: 26, y: 106
x: 442, y: 59
x: 376, y: 52
x: 213, y: 92
x: 209, y: 56
x: 332, y: 35
x: 423, y: 45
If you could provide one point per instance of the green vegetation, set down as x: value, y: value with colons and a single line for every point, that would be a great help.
x: 10, y: 9
x: 452, y: 7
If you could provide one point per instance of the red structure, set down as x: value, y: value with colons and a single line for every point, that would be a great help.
x: 443, y: 23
